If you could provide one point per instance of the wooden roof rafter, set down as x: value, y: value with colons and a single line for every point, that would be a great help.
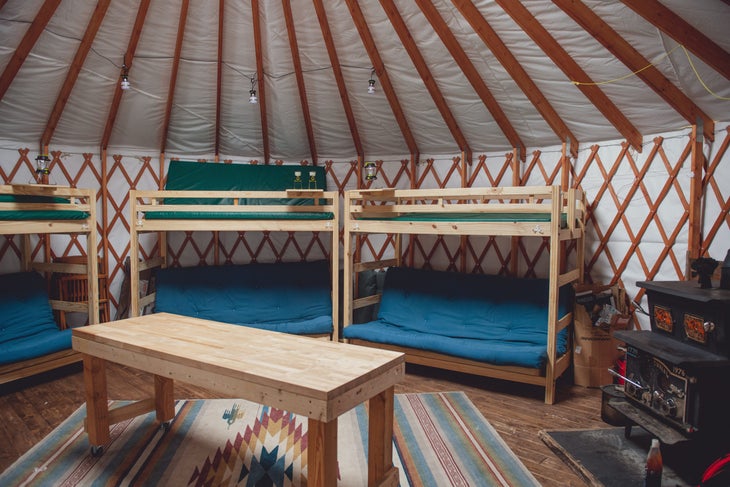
x: 637, y: 63
x: 260, y: 78
x: 92, y: 28
x: 219, y: 83
x: 424, y: 72
x: 128, y: 58
x: 500, y: 50
x: 382, y: 74
x: 337, y: 70
x: 31, y: 36
x: 681, y: 31
x: 472, y: 75
x: 296, y: 59
x: 173, y: 75
x: 572, y: 70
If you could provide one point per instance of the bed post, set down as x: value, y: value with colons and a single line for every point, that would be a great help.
x: 133, y: 257
x: 347, y: 266
x: 92, y: 260
x: 552, y: 325
x: 335, y: 266
x: 514, y: 240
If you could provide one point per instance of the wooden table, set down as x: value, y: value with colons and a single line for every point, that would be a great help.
x: 314, y: 378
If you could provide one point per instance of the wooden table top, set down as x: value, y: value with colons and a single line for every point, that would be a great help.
x: 257, y: 364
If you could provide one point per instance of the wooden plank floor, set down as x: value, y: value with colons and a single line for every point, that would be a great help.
x: 31, y: 408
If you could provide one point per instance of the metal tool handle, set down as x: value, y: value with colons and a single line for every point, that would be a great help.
x: 613, y: 372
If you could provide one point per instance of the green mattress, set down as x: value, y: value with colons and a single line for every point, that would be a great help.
x: 472, y: 217
x: 196, y: 176
x: 26, y: 215
x: 220, y: 215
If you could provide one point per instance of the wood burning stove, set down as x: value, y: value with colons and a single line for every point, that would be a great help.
x: 678, y: 373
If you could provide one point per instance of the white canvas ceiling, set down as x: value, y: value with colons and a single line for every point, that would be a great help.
x: 198, y: 122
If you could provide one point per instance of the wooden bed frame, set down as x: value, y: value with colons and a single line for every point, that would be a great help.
x: 142, y: 202
x: 373, y: 211
x: 79, y: 200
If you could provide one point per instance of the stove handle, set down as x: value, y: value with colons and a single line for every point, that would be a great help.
x: 636, y: 384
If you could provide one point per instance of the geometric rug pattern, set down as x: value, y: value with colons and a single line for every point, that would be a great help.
x: 440, y: 439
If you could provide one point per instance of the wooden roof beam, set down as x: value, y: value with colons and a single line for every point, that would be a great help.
x: 92, y: 28
x: 572, y: 70
x: 260, y: 78
x: 681, y: 31
x: 128, y: 58
x: 337, y: 70
x: 26, y: 44
x: 425, y: 73
x: 175, y: 69
x: 490, y: 38
x: 378, y: 65
x: 219, y: 83
x: 637, y: 63
x: 471, y: 73
x: 296, y: 59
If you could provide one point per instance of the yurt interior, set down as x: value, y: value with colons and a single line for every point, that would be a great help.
x: 349, y: 242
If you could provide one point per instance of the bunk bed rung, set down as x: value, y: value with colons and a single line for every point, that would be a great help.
x: 152, y: 263
x: 568, y: 277
x: 378, y: 264
x: 366, y: 301
x: 60, y: 267
x: 70, y: 306
x: 147, y: 300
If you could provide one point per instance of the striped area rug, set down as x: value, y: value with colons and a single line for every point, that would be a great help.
x: 439, y: 439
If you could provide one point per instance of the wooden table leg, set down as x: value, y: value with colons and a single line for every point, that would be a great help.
x: 97, y: 406
x: 381, y: 471
x: 321, y: 453
x: 164, y: 399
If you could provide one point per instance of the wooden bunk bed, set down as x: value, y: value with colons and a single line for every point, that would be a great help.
x: 300, y: 208
x: 530, y: 212
x: 48, y: 209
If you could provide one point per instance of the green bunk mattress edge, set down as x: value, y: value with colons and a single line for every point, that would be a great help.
x: 23, y: 215
x: 475, y: 217
x: 29, y: 215
x: 212, y: 215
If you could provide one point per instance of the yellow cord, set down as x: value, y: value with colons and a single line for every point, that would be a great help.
x: 630, y: 74
x: 700, y: 78
x: 652, y: 64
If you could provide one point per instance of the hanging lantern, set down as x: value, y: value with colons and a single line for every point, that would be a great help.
x: 370, y: 171
x: 42, y: 164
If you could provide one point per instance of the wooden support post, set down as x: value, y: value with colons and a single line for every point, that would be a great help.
x: 515, y: 241
x: 26, y: 257
x: 322, y: 453
x: 380, y: 437
x: 97, y: 409
x: 164, y: 399
x: 696, y: 193
x: 105, y: 219
x: 565, y: 166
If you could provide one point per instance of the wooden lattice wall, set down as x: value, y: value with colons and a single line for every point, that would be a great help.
x: 638, y: 219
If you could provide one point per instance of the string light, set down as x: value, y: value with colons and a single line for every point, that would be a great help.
x: 125, y: 78
x: 252, y: 98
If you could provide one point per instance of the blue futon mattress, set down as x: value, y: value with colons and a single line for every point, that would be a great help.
x: 492, y: 319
